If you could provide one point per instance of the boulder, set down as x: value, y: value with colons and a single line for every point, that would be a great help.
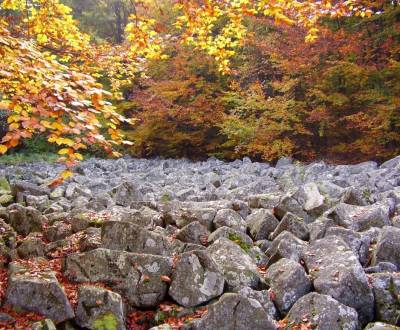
x: 37, y: 292
x: 229, y: 218
x: 294, y: 225
x: 261, y: 223
x: 388, y: 247
x: 322, y: 312
x: 59, y: 230
x: 196, y: 279
x: 232, y: 234
x: 31, y: 246
x: 194, y: 232
x: 138, y: 277
x: 386, y: 288
x: 126, y: 193
x: 357, y: 242
x: 288, y: 282
x: 286, y: 245
x: 360, y: 218
x: 263, y: 297
x: 336, y: 271
x: 237, y: 266
x: 25, y: 220
x: 99, y: 308
x: 126, y: 236
x: 233, y: 312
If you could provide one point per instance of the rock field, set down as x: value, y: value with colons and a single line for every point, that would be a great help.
x: 174, y: 244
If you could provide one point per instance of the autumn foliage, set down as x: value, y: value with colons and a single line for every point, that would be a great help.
x: 263, y: 79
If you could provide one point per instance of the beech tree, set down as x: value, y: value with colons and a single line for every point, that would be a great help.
x: 50, y: 70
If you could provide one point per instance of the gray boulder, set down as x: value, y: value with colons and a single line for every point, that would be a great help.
x: 357, y: 242
x: 263, y: 297
x: 386, y: 288
x: 237, y: 266
x: 25, y: 220
x: 229, y: 218
x: 31, y: 246
x: 126, y: 193
x: 196, y: 279
x: 231, y: 234
x: 360, y: 218
x: 194, y: 232
x: 294, y: 225
x: 138, y: 277
x: 59, y: 230
x: 336, y: 271
x: 388, y: 247
x: 286, y: 245
x: 261, y: 223
x: 233, y: 312
x: 37, y: 292
x: 99, y: 308
x: 322, y: 312
x: 126, y: 236
x: 288, y: 281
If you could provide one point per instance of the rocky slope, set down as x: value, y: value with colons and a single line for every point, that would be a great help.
x: 172, y: 244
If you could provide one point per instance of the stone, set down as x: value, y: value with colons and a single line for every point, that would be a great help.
x: 289, y: 282
x: 8, y: 238
x: 294, y: 225
x: 265, y: 201
x: 311, y: 199
x: 381, y: 267
x: 194, y: 232
x: 229, y: 218
x: 319, y: 227
x: 126, y: 236
x: 31, y: 246
x: 138, y: 277
x: 386, y: 288
x: 360, y: 218
x: 233, y: 312
x: 37, y: 292
x: 25, y: 220
x: 237, y: 266
x: 388, y: 247
x: 263, y: 297
x: 261, y: 223
x: 357, y: 242
x: 289, y: 204
x: 91, y: 239
x: 126, y: 193
x: 381, y: 326
x: 196, y: 279
x: 286, y: 245
x: 336, y: 271
x: 46, y: 324
x: 59, y: 230
x: 322, y: 312
x: 99, y: 308
x: 28, y: 188
x: 231, y: 234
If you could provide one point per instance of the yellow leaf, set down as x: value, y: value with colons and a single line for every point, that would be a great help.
x: 78, y: 156
x: 64, y: 151
x: 41, y: 38
x: 3, y: 149
x: 66, y: 174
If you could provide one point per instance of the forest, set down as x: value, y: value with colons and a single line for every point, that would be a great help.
x: 232, y: 79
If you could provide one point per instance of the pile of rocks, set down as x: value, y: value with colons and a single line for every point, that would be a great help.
x: 250, y: 245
